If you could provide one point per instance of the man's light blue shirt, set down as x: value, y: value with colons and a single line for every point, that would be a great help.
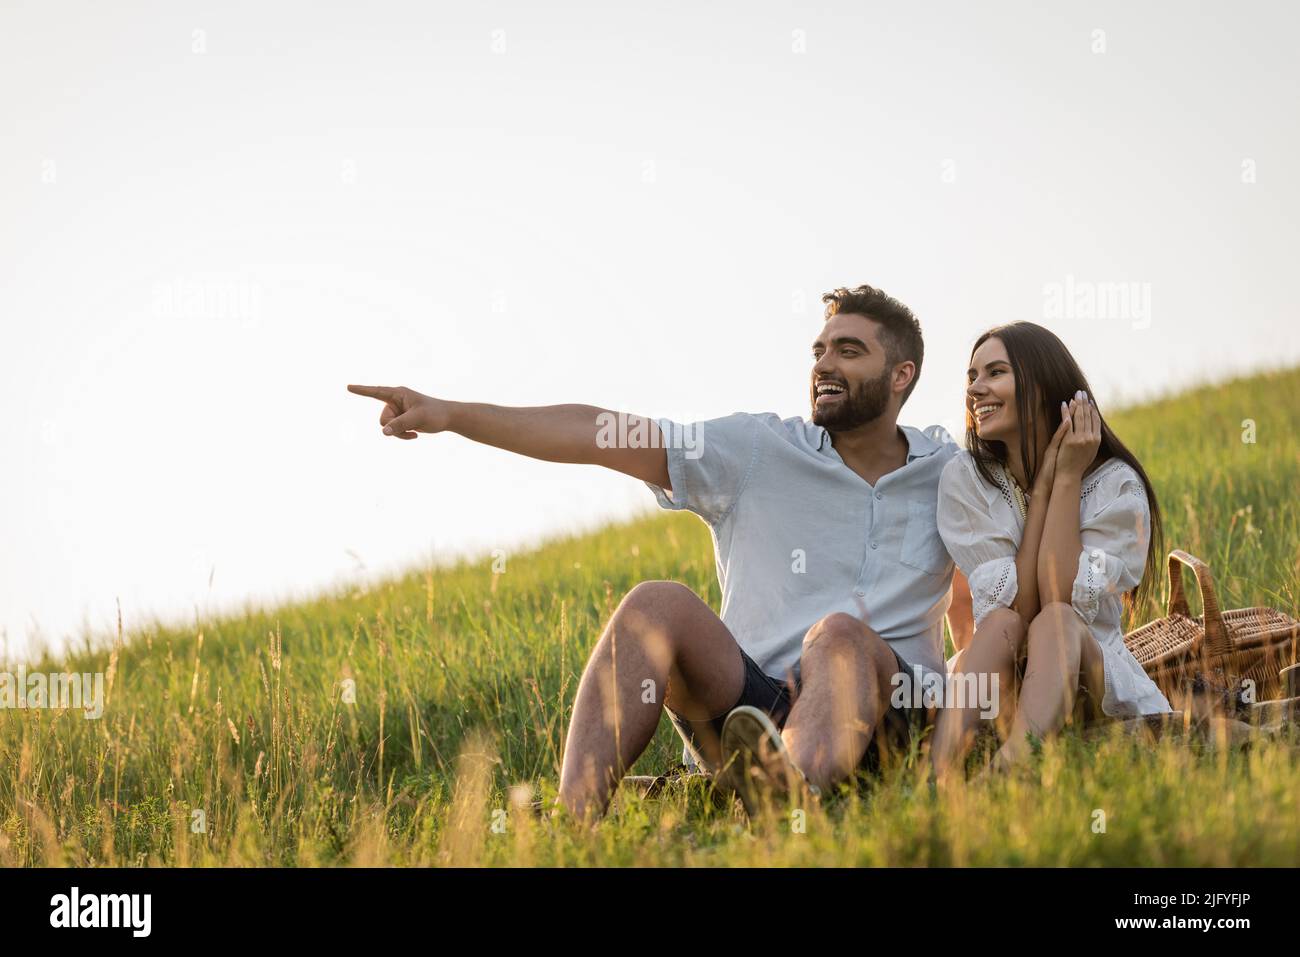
x: 798, y: 535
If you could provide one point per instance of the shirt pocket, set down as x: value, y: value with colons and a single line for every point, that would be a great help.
x: 923, y: 549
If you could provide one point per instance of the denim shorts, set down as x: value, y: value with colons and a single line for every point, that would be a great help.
x: 775, y: 696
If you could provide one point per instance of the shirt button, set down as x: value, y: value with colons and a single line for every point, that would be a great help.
x: 860, y: 593
x: 873, y: 545
x: 880, y: 495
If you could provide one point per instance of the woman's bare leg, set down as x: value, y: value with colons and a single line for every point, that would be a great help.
x: 994, y: 649
x: 1062, y: 654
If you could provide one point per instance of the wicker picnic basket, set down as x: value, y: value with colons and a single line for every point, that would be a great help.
x: 1214, y: 655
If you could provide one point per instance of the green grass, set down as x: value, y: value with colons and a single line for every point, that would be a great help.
x: 464, y: 680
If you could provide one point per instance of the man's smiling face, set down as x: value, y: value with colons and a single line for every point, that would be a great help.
x: 850, y: 375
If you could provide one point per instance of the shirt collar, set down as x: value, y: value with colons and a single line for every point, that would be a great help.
x: 918, y: 443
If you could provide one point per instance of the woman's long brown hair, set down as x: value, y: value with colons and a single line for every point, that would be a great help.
x: 1047, y: 375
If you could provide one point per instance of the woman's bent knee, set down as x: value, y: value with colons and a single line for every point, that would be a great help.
x: 1004, y: 626
x: 1057, y: 624
x: 1058, y: 615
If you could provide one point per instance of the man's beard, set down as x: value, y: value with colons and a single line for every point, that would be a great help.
x: 861, y: 404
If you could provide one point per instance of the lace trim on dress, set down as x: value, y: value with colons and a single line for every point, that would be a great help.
x: 1092, y: 583
x: 990, y: 603
x: 1010, y: 497
x: 1000, y: 473
x: 1101, y: 473
x: 996, y: 596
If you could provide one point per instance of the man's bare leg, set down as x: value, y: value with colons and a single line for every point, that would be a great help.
x: 845, y: 673
x: 993, y: 651
x: 661, y: 633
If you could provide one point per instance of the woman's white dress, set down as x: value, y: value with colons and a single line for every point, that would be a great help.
x: 982, y: 528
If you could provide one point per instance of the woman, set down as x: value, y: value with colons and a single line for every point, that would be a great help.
x: 1050, y: 518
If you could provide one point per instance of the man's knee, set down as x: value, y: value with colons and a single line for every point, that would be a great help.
x: 658, y: 602
x: 838, y: 628
x: 840, y: 634
x: 654, y: 613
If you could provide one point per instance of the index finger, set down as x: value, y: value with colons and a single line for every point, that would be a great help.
x: 382, y: 392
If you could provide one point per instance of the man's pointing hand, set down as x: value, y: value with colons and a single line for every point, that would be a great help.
x: 406, y: 412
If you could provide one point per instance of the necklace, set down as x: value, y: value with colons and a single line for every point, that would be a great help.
x: 1019, y: 494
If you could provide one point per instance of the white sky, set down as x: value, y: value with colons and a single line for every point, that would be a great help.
x: 627, y: 207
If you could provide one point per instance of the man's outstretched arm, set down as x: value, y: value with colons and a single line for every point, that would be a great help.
x: 555, y: 433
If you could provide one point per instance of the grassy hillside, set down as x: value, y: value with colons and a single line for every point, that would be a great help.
x: 463, y: 680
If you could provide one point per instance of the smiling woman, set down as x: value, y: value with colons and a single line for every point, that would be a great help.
x: 1020, y: 381
x: 1051, y: 519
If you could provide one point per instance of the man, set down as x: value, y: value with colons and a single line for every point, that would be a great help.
x: 834, y: 578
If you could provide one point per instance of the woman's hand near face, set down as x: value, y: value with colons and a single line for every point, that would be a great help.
x: 1058, y: 552
x: 1026, y: 603
x: 1082, y: 438
x: 1047, y: 467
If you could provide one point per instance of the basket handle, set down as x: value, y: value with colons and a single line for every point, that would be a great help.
x: 1216, y: 635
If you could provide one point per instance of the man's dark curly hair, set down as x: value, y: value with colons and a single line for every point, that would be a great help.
x: 900, y: 333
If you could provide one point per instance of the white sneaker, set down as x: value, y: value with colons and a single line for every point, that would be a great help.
x: 754, y: 759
